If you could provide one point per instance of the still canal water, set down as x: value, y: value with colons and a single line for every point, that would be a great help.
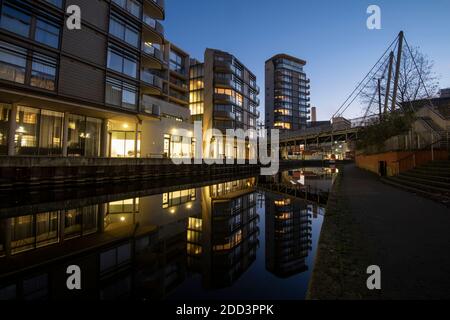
x: 222, y: 240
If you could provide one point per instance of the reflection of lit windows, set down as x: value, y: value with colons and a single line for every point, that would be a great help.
x: 282, y: 125
x: 123, y: 144
x: 123, y: 206
x: 195, y: 224
x: 194, y: 236
x: 233, y: 241
x: 193, y: 249
x: 283, y: 202
x: 176, y: 198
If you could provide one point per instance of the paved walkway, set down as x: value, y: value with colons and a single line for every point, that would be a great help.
x: 408, y: 236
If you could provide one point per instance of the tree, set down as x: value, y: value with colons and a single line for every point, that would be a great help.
x: 417, y: 80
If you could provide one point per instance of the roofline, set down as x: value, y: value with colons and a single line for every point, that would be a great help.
x: 289, y: 57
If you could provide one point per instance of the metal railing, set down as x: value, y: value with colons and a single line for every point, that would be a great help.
x: 420, y: 156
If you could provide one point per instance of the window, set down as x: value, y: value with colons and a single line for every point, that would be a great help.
x: 47, y: 33
x: 13, y: 62
x: 43, y: 72
x: 132, y: 6
x: 27, y: 131
x: 124, y: 32
x: 15, y: 21
x: 123, y: 144
x: 5, y: 110
x: 29, y: 25
x: 176, y: 62
x: 196, y: 96
x: 196, y: 108
x: 122, y: 63
x: 121, y: 94
x: 235, y: 97
x: 56, y: 3
x: 84, y: 136
x: 38, y: 132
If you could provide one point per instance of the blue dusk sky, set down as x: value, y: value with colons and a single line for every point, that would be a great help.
x: 331, y: 35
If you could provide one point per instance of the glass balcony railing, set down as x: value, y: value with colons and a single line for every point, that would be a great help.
x: 179, y: 96
x: 152, y: 23
x: 152, y: 51
x: 151, y: 79
x: 179, y: 83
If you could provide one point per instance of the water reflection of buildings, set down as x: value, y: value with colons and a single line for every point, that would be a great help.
x: 139, y: 247
x: 320, y: 178
x: 288, y: 235
x: 223, y: 240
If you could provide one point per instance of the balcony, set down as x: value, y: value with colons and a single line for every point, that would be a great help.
x: 227, y: 81
x: 179, y: 97
x: 152, y: 57
x: 155, y: 8
x: 223, y: 115
x: 179, y: 84
x: 150, y: 109
x: 153, y: 30
x: 219, y: 97
x: 152, y: 84
x: 255, y: 99
x: 224, y: 66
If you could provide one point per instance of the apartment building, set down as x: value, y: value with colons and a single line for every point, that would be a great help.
x: 224, y: 95
x: 287, y: 92
x: 115, y: 88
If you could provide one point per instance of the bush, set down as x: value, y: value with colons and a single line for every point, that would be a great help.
x: 392, y: 125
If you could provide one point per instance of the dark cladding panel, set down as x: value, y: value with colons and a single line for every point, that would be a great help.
x: 86, y: 44
x: 95, y: 12
x: 73, y: 81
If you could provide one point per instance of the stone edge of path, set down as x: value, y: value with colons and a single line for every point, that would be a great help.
x: 341, y: 262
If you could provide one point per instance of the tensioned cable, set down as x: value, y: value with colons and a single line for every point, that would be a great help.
x: 364, y: 79
x: 354, y: 98
x: 418, y: 71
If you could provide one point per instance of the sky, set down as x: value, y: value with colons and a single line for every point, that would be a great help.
x: 331, y: 36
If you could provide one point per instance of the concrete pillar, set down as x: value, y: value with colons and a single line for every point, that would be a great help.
x: 12, y: 131
x: 104, y: 139
x: 136, y: 137
x: 65, y: 134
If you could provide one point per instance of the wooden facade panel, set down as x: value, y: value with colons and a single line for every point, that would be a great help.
x: 80, y: 80
x: 86, y: 44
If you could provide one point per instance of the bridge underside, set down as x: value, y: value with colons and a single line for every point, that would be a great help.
x: 326, y: 145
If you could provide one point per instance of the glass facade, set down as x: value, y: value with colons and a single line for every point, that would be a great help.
x: 5, y: 110
x: 13, y: 67
x: 121, y: 94
x: 178, y: 146
x: 83, y: 136
x: 291, y: 94
x: 124, y: 31
x: 38, y: 132
x: 25, y: 23
x: 13, y: 63
x: 123, y: 144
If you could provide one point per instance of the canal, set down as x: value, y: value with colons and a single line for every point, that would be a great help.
x: 225, y: 239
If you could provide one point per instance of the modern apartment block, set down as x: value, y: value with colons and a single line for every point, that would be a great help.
x: 224, y: 95
x: 287, y: 93
x: 115, y: 88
